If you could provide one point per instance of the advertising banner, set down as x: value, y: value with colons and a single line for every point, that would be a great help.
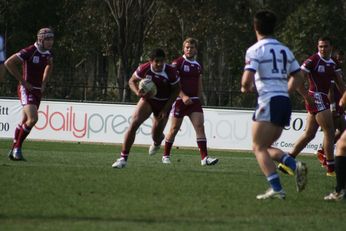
x: 107, y: 123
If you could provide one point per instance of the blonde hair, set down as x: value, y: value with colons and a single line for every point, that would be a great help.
x: 191, y: 41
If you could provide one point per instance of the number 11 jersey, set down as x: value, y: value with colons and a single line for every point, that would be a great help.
x: 272, y: 63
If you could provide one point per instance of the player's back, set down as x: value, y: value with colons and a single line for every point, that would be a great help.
x: 273, y: 63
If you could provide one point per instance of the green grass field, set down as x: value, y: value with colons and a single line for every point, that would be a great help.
x: 70, y: 186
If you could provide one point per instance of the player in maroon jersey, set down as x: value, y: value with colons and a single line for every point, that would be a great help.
x: 337, y: 111
x: 321, y: 69
x: 188, y: 102
x: 37, y: 64
x: 168, y: 87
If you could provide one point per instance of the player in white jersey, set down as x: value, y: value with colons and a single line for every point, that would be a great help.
x: 2, y: 58
x: 272, y: 71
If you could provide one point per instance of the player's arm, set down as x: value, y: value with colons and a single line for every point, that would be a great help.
x: 175, y: 89
x: 12, y: 64
x: 342, y: 102
x: 247, y: 81
x: 339, y: 82
x: 133, y: 84
x: 200, y: 90
x: 47, y: 72
x: 297, y: 83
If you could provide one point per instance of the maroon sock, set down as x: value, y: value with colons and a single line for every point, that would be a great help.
x: 168, y: 148
x: 202, y: 145
x: 16, y: 134
x: 125, y: 154
x: 23, y: 133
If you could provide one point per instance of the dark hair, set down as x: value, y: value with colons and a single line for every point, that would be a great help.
x: 325, y: 39
x: 157, y: 53
x: 265, y: 21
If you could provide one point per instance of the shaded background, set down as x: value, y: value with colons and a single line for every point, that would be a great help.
x: 100, y: 43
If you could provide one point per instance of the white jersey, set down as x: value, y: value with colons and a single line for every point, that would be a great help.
x: 273, y: 63
x: 2, y: 50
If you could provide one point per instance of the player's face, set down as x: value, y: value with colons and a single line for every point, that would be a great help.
x: 190, y: 50
x: 157, y: 64
x: 48, y: 43
x: 324, y: 48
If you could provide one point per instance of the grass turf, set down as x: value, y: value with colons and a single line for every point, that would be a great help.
x: 70, y: 186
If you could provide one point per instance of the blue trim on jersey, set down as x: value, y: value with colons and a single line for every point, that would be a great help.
x: 250, y: 69
x: 255, y: 60
x: 294, y: 72
x: 267, y: 92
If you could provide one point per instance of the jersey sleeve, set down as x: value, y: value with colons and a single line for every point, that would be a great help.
x: 25, y: 54
x: 307, y: 66
x: 172, y: 75
x: 141, y: 70
x: 251, y: 61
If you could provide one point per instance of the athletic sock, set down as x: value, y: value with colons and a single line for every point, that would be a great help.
x: 168, y: 148
x: 288, y: 161
x: 23, y: 133
x: 16, y: 134
x: 274, y: 182
x: 124, y: 154
x: 202, y: 145
x: 340, y: 170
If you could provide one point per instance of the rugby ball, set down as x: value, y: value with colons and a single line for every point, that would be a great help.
x: 147, y: 86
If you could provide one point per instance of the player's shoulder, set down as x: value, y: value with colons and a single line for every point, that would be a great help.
x: 169, y: 68
x: 143, y: 67
x: 176, y: 62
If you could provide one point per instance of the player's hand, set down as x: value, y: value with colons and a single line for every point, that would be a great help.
x: 342, y: 102
x: 187, y: 100
x: 309, y: 100
x: 143, y: 94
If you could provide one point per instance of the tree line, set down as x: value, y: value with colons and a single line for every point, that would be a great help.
x: 100, y: 43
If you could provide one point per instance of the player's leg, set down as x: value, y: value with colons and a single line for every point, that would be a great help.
x: 325, y: 120
x: 30, y: 115
x: 260, y: 145
x: 197, y: 120
x: 170, y: 136
x: 17, y: 129
x: 142, y: 112
x: 340, y: 170
x: 308, y: 135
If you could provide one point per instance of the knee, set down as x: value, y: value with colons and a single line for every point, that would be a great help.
x: 31, y: 121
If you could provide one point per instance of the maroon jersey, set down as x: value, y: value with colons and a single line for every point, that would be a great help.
x: 163, y: 80
x: 321, y: 72
x: 189, y: 73
x: 34, y: 64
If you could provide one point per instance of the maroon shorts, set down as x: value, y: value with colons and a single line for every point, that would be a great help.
x: 32, y: 96
x: 180, y: 109
x: 157, y: 106
x: 321, y: 103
